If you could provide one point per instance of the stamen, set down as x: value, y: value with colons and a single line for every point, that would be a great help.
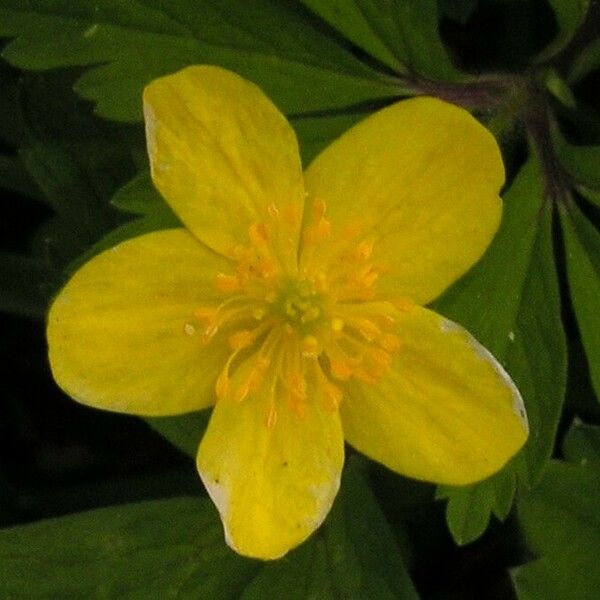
x: 227, y: 283
x: 258, y: 234
x: 310, y: 346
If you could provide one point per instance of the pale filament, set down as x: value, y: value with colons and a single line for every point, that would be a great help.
x: 296, y: 334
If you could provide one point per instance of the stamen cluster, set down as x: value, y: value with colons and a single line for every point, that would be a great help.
x: 302, y: 334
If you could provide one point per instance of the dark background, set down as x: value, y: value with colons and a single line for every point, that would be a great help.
x: 58, y: 457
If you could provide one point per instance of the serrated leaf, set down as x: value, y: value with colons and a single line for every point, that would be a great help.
x: 560, y: 519
x: 403, y: 34
x: 582, y: 245
x: 367, y: 23
x: 515, y: 312
x: 569, y: 14
x: 72, y: 162
x: 582, y: 443
x: 561, y: 522
x: 538, y: 359
x: 130, y: 43
x: 175, y: 549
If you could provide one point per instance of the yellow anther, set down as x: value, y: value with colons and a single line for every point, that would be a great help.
x: 310, y: 346
x: 205, y: 313
x: 340, y: 369
x: 316, y: 233
x: 380, y: 356
x: 389, y: 342
x: 350, y: 231
x: 364, y: 250
x: 273, y: 210
x: 371, y: 277
x: 320, y: 282
x: 238, y: 251
x: 258, y: 234
x: 337, y: 324
x: 259, y: 313
x: 311, y: 314
x: 241, y: 339
x: 318, y: 209
x: 227, y: 283
x: 290, y: 214
x: 367, y: 328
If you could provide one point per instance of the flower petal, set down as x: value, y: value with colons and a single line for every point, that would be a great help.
x: 445, y: 411
x: 122, y: 334
x: 420, y: 180
x: 224, y: 158
x: 273, y: 485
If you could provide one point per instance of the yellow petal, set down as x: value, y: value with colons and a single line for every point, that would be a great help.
x: 224, y: 158
x: 273, y: 485
x: 122, y: 333
x: 445, y: 412
x: 420, y: 180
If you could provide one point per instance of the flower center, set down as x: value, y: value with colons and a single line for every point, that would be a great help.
x: 300, y: 305
x: 298, y: 337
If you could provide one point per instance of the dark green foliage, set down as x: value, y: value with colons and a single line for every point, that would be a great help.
x: 80, y: 181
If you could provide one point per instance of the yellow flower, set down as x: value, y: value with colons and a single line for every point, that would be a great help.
x: 293, y: 302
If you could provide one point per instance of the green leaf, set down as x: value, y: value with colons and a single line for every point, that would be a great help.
x: 367, y: 23
x: 21, y: 292
x: 587, y: 60
x: 592, y: 196
x: 14, y: 177
x: 165, y: 548
x: 73, y: 162
x: 515, y: 313
x: 139, y: 196
x: 402, y: 34
x: 175, y: 548
x: 316, y: 133
x: 580, y: 162
x: 582, y: 443
x: 569, y: 14
x: 458, y: 11
x: 561, y: 522
x: 582, y: 245
x: 127, y: 44
x: 353, y: 556
x: 559, y: 88
x: 183, y: 431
